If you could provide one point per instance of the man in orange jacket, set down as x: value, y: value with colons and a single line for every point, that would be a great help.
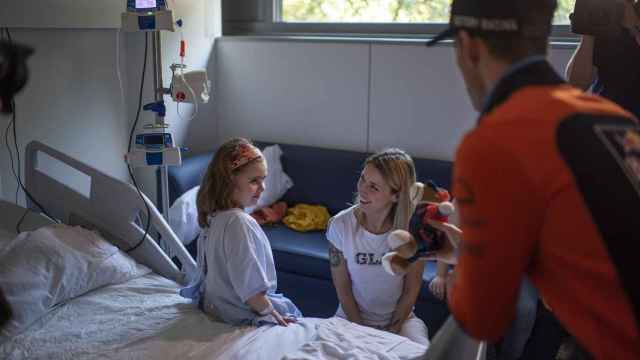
x: 548, y: 186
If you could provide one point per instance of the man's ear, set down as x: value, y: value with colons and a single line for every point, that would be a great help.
x: 468, y: 48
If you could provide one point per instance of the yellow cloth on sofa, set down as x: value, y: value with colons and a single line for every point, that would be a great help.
x: 304, y: 217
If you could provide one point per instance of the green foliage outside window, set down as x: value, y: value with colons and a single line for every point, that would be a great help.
x: 383, y: 11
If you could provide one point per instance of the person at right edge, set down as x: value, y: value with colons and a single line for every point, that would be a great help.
x: 607, y: 61
x: 547, y: 185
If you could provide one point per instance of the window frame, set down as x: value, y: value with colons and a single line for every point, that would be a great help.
x: 268, y: 23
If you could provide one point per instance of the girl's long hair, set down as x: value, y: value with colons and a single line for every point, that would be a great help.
x: 216, y: 189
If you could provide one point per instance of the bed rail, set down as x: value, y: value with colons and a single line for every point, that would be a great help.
x: 78, y: 194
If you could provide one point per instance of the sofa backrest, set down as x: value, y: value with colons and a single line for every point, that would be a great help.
x: 320, y: 176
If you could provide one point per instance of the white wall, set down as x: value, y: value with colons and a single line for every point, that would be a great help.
x: 354, y: 96
x: 66, y: 14
x: 72, y: 101
x: 357, y: 96
x: 304, y: 93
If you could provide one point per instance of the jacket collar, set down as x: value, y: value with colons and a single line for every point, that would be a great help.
x: 534, y: 70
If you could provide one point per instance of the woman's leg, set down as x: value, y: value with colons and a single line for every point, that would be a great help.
x: 415, y: 330
x: 518, y: 334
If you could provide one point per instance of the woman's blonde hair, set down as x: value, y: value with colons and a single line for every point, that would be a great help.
x: 216, y: 189
x: 398, y: 170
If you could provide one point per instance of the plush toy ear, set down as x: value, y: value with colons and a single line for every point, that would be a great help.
x: 416, y: 191
x: 402, y: 243
x: 398, y: 238
x: 394, y: 264
x: 386, y: 263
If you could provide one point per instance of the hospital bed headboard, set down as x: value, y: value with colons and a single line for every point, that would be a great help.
x: 78, y: 194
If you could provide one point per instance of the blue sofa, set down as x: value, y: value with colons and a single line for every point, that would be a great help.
x: 326, y: 177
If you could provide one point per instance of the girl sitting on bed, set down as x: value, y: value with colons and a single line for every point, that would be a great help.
x: 358, y: 239
x: 237, y: 276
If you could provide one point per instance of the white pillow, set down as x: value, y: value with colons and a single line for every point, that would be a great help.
x: 44, y: 268
x: 277, y: 182
x: 183, y: 214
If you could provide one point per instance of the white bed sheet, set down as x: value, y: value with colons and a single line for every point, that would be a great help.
x: 146, y: 318
x: 339, y: 339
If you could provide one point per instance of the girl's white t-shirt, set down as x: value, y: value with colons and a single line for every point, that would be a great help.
x: 376, y: 292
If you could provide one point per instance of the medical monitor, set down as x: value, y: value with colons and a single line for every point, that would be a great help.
x: 146, y: 5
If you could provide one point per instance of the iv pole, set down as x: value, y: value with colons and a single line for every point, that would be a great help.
x: 158, y: 92
x: 160, y: 152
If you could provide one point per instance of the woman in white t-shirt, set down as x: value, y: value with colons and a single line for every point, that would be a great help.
x: 358, y: 239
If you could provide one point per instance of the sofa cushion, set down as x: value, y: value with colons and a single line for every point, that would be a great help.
x: 308, y: 253
x: 300, y: 253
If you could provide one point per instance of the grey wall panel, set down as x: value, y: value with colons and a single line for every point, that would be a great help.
x: 72, y: 101
x: 418, y: 100
x: 299, y: 93
x: 62, y: 13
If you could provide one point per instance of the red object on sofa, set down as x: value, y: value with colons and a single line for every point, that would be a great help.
x: 271, y: 214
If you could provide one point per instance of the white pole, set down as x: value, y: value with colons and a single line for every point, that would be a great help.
x: 159, y: 122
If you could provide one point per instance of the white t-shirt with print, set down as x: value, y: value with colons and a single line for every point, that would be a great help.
x: 376, y: 292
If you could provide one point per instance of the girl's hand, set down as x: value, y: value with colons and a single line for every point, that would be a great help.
x: 283, y: 321
x: 438, y: 287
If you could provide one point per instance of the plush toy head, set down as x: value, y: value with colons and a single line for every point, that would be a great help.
x: 407, y: 246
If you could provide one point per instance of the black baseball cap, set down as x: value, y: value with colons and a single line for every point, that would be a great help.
x: 495, y: 17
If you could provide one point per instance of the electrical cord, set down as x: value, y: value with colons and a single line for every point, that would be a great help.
x: 5, y: 34
x: 18, y: 174
x: 119, y: 74
x: 133, y: 128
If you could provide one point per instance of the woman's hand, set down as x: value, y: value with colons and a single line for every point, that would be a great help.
x: 395, y: 326
x: 448, y: 253
x: 438, y: 287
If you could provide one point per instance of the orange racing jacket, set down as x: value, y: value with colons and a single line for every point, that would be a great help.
x: 548, y: 185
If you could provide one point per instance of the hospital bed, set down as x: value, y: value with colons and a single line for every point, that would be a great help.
x: 145, y: 317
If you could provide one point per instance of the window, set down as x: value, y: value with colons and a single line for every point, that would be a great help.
x: 381, y: 11
x: 351, y: 18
